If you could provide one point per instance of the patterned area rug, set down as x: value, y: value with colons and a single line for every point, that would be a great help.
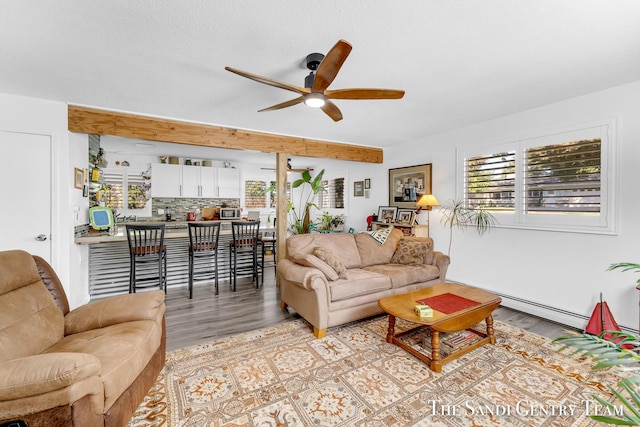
x: 284, y: 376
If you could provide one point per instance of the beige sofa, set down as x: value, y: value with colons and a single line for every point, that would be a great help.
x: 91, y: 366
x: 314, y: 290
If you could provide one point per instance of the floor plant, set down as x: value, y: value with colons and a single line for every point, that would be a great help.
x: 620, y: 349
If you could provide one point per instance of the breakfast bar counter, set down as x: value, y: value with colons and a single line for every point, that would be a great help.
x: 109, y: 258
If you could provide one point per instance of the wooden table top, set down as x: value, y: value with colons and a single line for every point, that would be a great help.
x: 402, y: 305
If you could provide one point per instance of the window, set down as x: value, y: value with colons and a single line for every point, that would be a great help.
x: 120, y: 185
x: 254, y: 198
x: 333, y: 196
x: 559, y: 181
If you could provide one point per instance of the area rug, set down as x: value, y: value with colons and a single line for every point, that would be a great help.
x: 284, y: 376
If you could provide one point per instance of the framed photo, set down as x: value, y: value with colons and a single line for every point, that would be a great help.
x: 78, y: 178
x: 387, y: 213
x: 358, y: 189
x: 407, y: 184
x: 367, y: 183
x: 406, y: 216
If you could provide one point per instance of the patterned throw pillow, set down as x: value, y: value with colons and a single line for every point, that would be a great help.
x: 410, y: 252
x: 381, y: 235
x: 310, y: 260
x: 332, y: 259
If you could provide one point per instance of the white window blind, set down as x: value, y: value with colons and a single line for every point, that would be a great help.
x: 121, y: 185
x: 254, y: 198
x: 333, y: 196
x: 558, y: 181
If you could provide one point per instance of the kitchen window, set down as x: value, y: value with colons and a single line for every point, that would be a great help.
x: 560, y: 181
x: 126, y: 185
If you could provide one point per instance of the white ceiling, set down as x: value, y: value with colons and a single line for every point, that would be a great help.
x: 459, y: 61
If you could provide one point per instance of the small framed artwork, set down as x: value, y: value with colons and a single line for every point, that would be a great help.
x: 78, y: 178
x: 406, y: 216
x: 387, y: 213
x: 358, y: 190
x: 367, y: 183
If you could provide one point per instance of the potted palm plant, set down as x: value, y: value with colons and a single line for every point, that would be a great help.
x: 454, y: 214
x: 618, y: 349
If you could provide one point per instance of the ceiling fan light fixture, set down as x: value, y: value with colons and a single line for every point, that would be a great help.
x: 314, y: 99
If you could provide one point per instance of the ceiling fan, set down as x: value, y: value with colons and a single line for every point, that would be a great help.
x: 290, y: 169
x: 324, y: 70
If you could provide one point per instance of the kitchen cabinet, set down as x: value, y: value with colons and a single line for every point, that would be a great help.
x: 228, y: 182
x: 166, y: 180
x: 194, y: 181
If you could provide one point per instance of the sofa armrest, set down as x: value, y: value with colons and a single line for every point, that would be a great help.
x: 115, y: 310
x: 441, y: 261
x: 44, y: 373
x: 300, y: 275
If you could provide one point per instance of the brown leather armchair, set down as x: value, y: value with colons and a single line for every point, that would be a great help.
x: 91, y: 366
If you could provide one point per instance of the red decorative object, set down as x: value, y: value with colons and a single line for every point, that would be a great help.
x: 448, y: 303
x: 601, y: 320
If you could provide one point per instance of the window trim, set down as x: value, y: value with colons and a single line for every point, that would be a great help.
x: 125, y: 185
x: 604, y: 223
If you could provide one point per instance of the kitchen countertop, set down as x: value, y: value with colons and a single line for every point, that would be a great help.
x: 173, y: 230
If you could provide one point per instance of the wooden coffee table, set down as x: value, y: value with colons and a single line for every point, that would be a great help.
x: 401, y: 306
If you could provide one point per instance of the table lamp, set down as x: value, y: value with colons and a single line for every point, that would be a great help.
x: 426, y: 201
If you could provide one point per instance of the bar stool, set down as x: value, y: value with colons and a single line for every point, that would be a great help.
x: 203, y: 245
x: 268, y: 243
x: 146, y: 246
x: 244, y: 241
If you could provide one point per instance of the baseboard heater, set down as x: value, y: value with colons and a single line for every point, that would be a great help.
x: 554, y: 314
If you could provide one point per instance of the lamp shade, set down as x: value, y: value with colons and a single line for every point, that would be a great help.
x: 427, y: 200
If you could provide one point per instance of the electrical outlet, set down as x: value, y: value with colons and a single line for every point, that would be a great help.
x: 160, y: 211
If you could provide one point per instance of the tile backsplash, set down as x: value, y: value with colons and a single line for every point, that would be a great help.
x: 180, y: 207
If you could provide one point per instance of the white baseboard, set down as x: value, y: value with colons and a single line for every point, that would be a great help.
x: 554, y: 314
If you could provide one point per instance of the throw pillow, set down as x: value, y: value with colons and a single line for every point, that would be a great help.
x: 409, y: 252
x: 315, y: 262
x: 332, y: 259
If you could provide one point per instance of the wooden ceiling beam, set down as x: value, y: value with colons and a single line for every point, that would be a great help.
x: 104, y: 122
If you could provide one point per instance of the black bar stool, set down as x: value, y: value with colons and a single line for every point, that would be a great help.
x: 146, y: 246
x: 268, y: 243
x: 244, y: 241
x: 203, y: 245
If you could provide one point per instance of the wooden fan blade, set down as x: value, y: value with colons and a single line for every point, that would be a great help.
x: 284, y: 104
x: 332, y: 111
x: 364, y: 94
x: 268, y: 81
x: 330, y: 65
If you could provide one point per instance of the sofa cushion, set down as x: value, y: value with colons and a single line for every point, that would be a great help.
x: 372, y: 252
x: 315, y: 262
x: 123, y: 351
x: 360, y: 282
x: 409, y: 252
x: 402, y: 275
x: 342, y: 244
x: 332, y: 260
x: 428, y: 259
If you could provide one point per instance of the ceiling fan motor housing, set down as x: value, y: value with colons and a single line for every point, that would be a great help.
x: 313, y: 60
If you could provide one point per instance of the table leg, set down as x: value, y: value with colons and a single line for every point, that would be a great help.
x: 436, y: 365
x: 391, y: 330
x: 490, y: 331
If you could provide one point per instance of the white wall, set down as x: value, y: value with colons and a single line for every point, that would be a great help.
x: 565, y: 271
x: 23, y: 114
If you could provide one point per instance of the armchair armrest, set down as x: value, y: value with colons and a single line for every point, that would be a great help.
x: 112, y: 311
x: 43, y: 373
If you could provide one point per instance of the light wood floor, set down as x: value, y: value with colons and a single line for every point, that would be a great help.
x: 207, y: 317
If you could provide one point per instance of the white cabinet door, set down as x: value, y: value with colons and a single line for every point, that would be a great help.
x: 208, y: 182
x: 228, y: 182
x: 166, y: 180
x: 190, y: 181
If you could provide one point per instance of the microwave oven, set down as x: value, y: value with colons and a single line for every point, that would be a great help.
x: 230, y: 213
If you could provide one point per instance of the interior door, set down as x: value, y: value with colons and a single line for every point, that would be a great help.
x: 25, y: 174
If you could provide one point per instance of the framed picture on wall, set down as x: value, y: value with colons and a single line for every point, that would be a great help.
x: 78, y: 178
x: 358, y: 189
x: 367, y: 183
x: 408, y: 184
